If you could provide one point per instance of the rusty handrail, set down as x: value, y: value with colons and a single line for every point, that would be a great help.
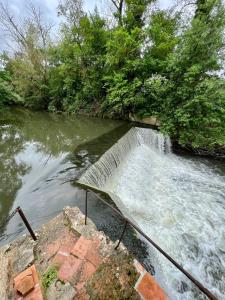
x: 24, y: 219
x: 27, y: 224
x: 127, y: 221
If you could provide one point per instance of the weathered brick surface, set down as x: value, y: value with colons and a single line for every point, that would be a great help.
x: 81, y: 247
x: 58, y: 260
x: 86, y: 261
x: 69, y: 268
x: 27, y: 285
x: 149, y: 289
x: 52, y: 248
x: 93, y: 253
x: 87, y: 271
x: 35, y: 294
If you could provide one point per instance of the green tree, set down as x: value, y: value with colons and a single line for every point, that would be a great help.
x: 161, y: 38
x: 78, y: 65
x: 192, y: 112
x: 123, y: 61
x: 7, y: 95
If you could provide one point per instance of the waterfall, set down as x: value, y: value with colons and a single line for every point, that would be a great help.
x: 98, y: 174
x: 178, y: 202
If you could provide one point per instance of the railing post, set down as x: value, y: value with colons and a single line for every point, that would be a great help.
x: 86, y: 194
x: 124, y: 229
x: 25, y: 221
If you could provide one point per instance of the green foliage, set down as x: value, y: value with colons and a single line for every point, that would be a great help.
x: 144, y: 63
x: 48, y: 277
x: 122, y: 96
x: 76, y: 75
x: 29, y: 83
x: 155, y: 89
x: 135, y: 10
x: 161, y: 33
x: 194, y: 110
x: 200, y: 122
x: 7, y: 95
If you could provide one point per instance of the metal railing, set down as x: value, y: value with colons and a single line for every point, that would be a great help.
x: 24, y: 219
x: 127, y: 221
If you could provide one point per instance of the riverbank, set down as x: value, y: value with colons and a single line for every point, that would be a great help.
x: 217, y: 153
x: 73, y: 261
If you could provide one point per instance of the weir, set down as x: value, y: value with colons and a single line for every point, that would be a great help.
x: 176, y: 202
x: 99, y: 173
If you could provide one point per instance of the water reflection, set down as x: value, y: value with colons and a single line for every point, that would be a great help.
x: 39, y: 155
x: 10, y: 171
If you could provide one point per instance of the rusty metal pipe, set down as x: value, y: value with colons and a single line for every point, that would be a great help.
x: 27, y: 224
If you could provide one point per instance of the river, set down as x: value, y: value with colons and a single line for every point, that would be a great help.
x: 42, y: 155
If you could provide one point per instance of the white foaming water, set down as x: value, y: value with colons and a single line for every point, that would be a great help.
x: 180, y: 204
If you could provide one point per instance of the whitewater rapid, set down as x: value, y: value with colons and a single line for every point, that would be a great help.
x: 177, y: 202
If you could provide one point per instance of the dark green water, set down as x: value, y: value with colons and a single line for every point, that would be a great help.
x: 40, y: 156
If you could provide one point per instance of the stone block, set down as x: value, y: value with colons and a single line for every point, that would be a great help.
x: 61, y: 292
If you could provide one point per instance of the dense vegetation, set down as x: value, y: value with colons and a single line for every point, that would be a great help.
x: 141, y: 62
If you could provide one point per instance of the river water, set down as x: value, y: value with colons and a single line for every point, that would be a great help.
x: 182, y: 208
x: 40, y: 155
x: 178, y: 201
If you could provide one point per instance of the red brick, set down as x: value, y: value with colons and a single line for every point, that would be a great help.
x: 65, y: 250
x: 35, y: 275
x: 25, y: 285
x: 69, y: 268
x: 19, y: 277
x: 88, y: 270
x: 81, y: 247
x: 65, y: 243
x: 35, y: 294
x: 26, y: 280
x: 93, y: 254
x: 149, y: 289
x: 69, y: 241
x: 21, y: 280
